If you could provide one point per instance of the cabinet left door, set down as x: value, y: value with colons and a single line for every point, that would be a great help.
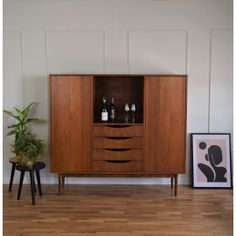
x: 70, y: 123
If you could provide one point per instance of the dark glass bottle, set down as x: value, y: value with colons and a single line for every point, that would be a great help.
x: 112, y: 110
x: 104, y: 112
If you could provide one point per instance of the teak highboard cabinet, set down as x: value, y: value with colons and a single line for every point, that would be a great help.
x: 151, y: 144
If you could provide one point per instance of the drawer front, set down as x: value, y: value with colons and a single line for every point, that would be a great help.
x: 118, y: 130
x: 116, y: 166
x: 117, y: 154
x: 117, y: 142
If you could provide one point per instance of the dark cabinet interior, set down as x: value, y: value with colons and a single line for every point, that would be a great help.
x: 125, y: 89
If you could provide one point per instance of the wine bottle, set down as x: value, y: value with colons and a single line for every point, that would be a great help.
x: 104, y: 112
x: 112, y: 110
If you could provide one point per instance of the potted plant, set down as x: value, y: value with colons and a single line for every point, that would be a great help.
x: 26, y: 146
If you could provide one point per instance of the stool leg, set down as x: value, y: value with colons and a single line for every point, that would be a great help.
x: 22, y: 174
x: 31, y: 172
x: 13, y: 167
x: 34, y: 183
x: 39, y: 182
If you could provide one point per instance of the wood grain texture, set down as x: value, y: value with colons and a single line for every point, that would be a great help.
x: 165, y: 124
x: 78, y: 146
x: 115, y: 210
x: 117, y: 154
x: 115, y: 130
x: 105, y: 142
x: 70, y: 123
x: 113, y: 166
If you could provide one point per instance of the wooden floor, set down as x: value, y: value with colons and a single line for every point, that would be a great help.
x: 119, y: 210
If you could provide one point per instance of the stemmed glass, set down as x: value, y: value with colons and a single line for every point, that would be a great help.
x: 127, y: 110
x: 133, y: 109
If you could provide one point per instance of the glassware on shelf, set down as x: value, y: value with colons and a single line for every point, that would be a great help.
x: 133, y: 109
x: 127, y: 110
x: 112, y: 110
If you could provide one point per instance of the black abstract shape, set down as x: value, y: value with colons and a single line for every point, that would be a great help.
x: 202, y: 145
x: 206, y: 157
x: 214, y: 156
x: 207, y: 171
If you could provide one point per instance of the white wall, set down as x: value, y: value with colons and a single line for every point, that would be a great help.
x: 119, y: 36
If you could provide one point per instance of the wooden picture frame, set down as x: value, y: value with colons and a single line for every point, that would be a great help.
x: 211, y: 160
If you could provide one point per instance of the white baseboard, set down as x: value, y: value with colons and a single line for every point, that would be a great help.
x: 182, y: 180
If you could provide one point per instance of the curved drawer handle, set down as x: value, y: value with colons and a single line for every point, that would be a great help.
x: 118, y: 126
x: 118, y: 149
x: 118, y: 138
x: 118, y: 161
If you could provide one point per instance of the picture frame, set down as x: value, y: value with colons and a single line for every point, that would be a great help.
x: 211, y: 160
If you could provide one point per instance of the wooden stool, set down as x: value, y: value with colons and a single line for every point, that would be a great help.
x: 35, y: 168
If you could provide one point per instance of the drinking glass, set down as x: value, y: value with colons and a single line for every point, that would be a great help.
x: 133, y: 109
x: 127, y: 110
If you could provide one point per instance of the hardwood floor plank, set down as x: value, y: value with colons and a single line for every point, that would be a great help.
x: 118, y: 210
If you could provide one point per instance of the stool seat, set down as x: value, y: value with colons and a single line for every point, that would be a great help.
x: 35, y: 168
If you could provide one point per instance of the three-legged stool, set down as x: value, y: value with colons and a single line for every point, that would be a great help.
x: 35, y: 169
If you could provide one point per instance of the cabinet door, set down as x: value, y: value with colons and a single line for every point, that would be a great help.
x: 70, y: 123
x: 165, y: 124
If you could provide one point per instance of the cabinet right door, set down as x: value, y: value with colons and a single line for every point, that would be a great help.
x: 165, y: 124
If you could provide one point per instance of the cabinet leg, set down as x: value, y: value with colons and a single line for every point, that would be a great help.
x: 176, y: 184
x: 63, y: 181
x: 171, y: 181
x: 59, y: 184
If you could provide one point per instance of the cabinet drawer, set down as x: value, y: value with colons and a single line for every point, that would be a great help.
x: 117, y: 142
x: 117, y: 154
x: 118, y: 130
x: 117, y: 166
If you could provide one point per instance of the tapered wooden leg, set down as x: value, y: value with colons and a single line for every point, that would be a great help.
x: 59, y: 183
x: 31, y: 172
x: 22, y: 174
x: 176, y: 184
x: 171, y: 181
x: 12, y: 176
x: 63, y: 181
x: 39, y: 182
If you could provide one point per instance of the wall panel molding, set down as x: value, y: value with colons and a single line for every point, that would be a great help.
x: 184, y: 31
x: 48, y: 32
x: 20, y: 35
x: 212, y: 80
x: 13, y: 79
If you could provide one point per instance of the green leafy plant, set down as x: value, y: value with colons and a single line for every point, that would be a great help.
x: 20, y: 127
x: 26, y: 146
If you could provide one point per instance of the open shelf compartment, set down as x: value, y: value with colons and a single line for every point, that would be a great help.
x: 124, y: 89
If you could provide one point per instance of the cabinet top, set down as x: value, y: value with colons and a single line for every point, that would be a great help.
x: 162, y: 75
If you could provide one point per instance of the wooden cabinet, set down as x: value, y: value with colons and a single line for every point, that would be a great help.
x: 151, y: 143
x: 70, y: 123
x: 165, y: 122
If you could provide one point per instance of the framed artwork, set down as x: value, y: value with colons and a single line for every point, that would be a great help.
x: 211, y: 159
